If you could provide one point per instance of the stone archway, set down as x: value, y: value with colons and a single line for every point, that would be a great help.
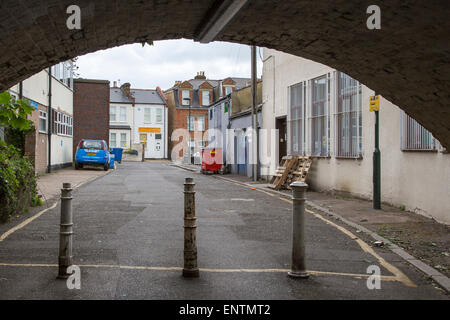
x: 407, y: 61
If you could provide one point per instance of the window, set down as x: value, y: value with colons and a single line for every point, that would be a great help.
x: 147, y: 115
x: 123, y: 114
x: 348, y: 117
x: 123, y: 140
x: 296, y: 118
x: 93, y: 144
x: 158, y: 136
x: 159, y: 115
x: 185, y: 96
x: 201, y: 123
x: 205, y: 98
x: 112, y: 140
x: 63, y: 72
x: 228, y: 90
x: 319, y: 120
x: 415, y: 137
x: 42, y: 121
x: 62, y: 124
x: 112, y: 114
x: 190, y: 124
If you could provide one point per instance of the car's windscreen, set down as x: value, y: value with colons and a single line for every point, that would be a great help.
x: 92, y: 145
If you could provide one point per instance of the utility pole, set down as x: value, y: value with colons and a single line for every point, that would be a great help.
x: 254, y: 117
x: 375, y: 106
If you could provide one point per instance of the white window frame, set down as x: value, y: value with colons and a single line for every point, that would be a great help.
x: 123, y: 142
x: 188, y: 95
x: 123, y: 112
x: 113, y: 142
x: 414, y: 137
x: 147, y: 112
x: 112, y: 114
x: 43, y: 116
x: 159, y: 117
x: 190, y: 126
x: 202, y: 128
x: 326, y: 115
x: 64, y: 124
x: 299, y: 120
x: 207, y: 102
x: 347, y: 144
x: 230, y: 89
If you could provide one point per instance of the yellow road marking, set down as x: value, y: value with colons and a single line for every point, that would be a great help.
x: 209, y: 270
x: 24, y: 223
x: 400, y: 276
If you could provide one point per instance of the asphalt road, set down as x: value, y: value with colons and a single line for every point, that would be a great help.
x: 128, y: 243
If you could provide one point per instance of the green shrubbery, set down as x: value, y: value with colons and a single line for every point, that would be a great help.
x: 17, y: 178
x: 17, y: 183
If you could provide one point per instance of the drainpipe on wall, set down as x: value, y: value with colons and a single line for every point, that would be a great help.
x: 254, y: 117
x: 50, y: 120
x: 21, y: 90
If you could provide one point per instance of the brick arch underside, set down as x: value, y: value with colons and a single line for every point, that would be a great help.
x: 407, y: 61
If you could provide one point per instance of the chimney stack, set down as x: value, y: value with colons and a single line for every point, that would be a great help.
x: 126, y: 90
x: 200, y: 75
x: 115, y: 84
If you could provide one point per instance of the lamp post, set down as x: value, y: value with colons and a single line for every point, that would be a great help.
x: 189, y: 129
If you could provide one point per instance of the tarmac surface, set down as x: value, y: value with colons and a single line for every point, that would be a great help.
x: 128, y: 243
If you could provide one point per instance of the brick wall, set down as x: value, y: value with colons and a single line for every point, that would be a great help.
x: 90, y: 110
x: 181, y: 116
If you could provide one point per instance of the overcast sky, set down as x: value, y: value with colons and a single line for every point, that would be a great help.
x: 167, y: 61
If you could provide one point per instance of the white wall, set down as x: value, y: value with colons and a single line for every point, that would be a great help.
x: 36, y: 88
x: 420, y: 181
x: 139, y: 122
x: 62, y: 146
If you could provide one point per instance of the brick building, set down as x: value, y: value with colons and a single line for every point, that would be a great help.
x: 193, y: 97
x: 50, y: 92
x: 91, y: 110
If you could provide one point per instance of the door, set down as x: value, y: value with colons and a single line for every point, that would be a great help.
x: 153, y: 146
x: 282, y: 144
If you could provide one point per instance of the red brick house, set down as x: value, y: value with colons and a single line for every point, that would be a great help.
x: 193, y: 97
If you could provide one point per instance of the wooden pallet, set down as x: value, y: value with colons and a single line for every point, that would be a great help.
x: 291, y: 169
x: 281, y: 174
x: 300, y: 172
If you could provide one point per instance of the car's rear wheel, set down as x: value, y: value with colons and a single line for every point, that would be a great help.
x: 77, y: 166
x: 106, y: 167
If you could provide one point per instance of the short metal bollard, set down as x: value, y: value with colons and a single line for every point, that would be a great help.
x: 298, y: 269
x: 190, y: 269
x: 66, y: 231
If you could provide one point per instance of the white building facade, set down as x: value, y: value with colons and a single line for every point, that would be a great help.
x: 52, y: 98
x: 328, y: 117
x: 139, y: 116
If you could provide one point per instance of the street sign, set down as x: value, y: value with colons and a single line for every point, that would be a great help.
x: 375, y: 103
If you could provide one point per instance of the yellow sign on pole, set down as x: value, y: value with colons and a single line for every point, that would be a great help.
x: 375, y: 103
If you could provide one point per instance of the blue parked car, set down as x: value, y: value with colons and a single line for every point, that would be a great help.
x: 92, y: 152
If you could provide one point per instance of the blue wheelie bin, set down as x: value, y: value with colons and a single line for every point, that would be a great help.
x: 112, y: 163
x: 117, y: 154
